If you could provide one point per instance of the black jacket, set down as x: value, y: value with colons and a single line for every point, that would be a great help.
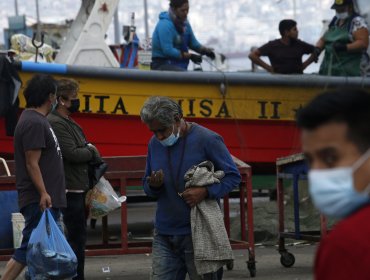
x: 76, y: 154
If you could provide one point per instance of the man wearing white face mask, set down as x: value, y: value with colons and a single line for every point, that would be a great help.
x: 336, y: 142
x: 345, y: 42
x: 176, y: 146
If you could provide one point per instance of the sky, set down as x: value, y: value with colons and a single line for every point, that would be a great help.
x: 229, y: 26
x: 213, y: 18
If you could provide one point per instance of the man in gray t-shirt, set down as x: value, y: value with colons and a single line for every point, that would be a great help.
x: 34, y: 132
x: 38, y: 165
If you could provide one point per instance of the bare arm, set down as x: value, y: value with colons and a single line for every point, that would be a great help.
x: 309, y: 60
x: 361, y: 41
x: 255, y: 57
x: 320, y: 43
x: 33, y: 168
x: 314, y: 57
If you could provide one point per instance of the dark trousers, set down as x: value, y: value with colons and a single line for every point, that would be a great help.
x: 163, y: 65
x: 74, y: 219
x: 173, y: 258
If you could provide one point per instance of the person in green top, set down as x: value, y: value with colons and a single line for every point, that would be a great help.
x: 345, y: 42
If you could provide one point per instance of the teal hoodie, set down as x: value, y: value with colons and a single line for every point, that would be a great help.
x: 167, y: 43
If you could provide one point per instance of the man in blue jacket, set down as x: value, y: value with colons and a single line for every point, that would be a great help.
x: 172, y: 39
x: 176, y: 146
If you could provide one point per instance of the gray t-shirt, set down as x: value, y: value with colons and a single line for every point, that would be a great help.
x: 33, y: 132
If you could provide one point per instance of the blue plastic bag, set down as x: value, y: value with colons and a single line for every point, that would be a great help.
x: 49, y: 255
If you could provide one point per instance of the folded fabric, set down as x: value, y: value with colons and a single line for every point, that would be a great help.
x: 202, y: 175
x: 212, y: 248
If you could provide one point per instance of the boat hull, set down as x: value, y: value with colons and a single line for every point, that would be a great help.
x: 254, y: 113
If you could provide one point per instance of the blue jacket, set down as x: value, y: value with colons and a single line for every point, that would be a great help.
x: 173, y: 214
x: 168, y: 43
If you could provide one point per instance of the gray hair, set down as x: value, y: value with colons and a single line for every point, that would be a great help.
x: 160, y: 108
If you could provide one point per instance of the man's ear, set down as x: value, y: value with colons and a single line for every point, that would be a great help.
x: 177, y: 117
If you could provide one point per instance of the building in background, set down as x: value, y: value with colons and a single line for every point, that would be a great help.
x: 54, y: 33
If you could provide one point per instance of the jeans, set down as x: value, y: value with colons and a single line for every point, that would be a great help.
x: 164, y: 65
x: 74, y: 219
x: 32, y: 215
x: 173, y: 258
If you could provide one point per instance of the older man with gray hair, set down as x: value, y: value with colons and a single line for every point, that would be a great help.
x: 176, y: 146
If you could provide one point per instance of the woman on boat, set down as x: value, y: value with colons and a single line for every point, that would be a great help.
x: 345, y: 42
x: 172, y: 39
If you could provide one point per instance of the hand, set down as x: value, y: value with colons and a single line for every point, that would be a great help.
x: 270, y: 69
x: 45, y: 201
x: 208, y: 52
x: 193, y: 196
x: 339, y: 47
x: 211, y: 55
x: 316, y: 53
x: 197, y: 59
x: 155, y: 180
x: 94, y: 150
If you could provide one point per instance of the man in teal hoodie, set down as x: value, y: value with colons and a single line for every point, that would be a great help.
x: 172, y: 39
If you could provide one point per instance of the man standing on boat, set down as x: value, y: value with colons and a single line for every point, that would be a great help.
x: 285, y: 54
x: 38, y: 165
x: 175, y: 147
x: 172, y: 39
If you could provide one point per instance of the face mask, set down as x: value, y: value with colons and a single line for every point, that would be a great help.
x: 75, y: 105
x: 343, y: 15
x: 333, y: 191
x: 172, y: 139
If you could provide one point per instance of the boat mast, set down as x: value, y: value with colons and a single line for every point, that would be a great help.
x: 146, y: 19
x: 117, y: 34
x: 16, y: 7
x: 38, y: 30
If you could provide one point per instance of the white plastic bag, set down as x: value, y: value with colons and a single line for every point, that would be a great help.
x: 102, y: 199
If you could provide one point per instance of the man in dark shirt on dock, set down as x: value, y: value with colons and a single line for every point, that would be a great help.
x: 38, y: 165
x: 285, y: 54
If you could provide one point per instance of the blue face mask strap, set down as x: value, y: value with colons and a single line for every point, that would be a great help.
x: 361, y: 160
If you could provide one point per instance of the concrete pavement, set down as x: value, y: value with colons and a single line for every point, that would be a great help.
x: 137, y: 267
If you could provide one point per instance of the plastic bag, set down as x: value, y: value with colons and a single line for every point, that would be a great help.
x: 102, y: 199
x: 49, y: 255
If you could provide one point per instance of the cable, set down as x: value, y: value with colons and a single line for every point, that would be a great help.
x: 223, y: 90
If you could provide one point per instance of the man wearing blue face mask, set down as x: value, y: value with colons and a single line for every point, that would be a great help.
x: 336, y: 142
x: 345, y: 42
x: 175, y: 147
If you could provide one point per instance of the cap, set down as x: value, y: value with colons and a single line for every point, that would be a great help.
x: 341, y: 3
x: 13, y: 51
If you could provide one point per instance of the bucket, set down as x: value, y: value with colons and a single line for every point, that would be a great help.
x: 8, y: 205
x: 18, y: 226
